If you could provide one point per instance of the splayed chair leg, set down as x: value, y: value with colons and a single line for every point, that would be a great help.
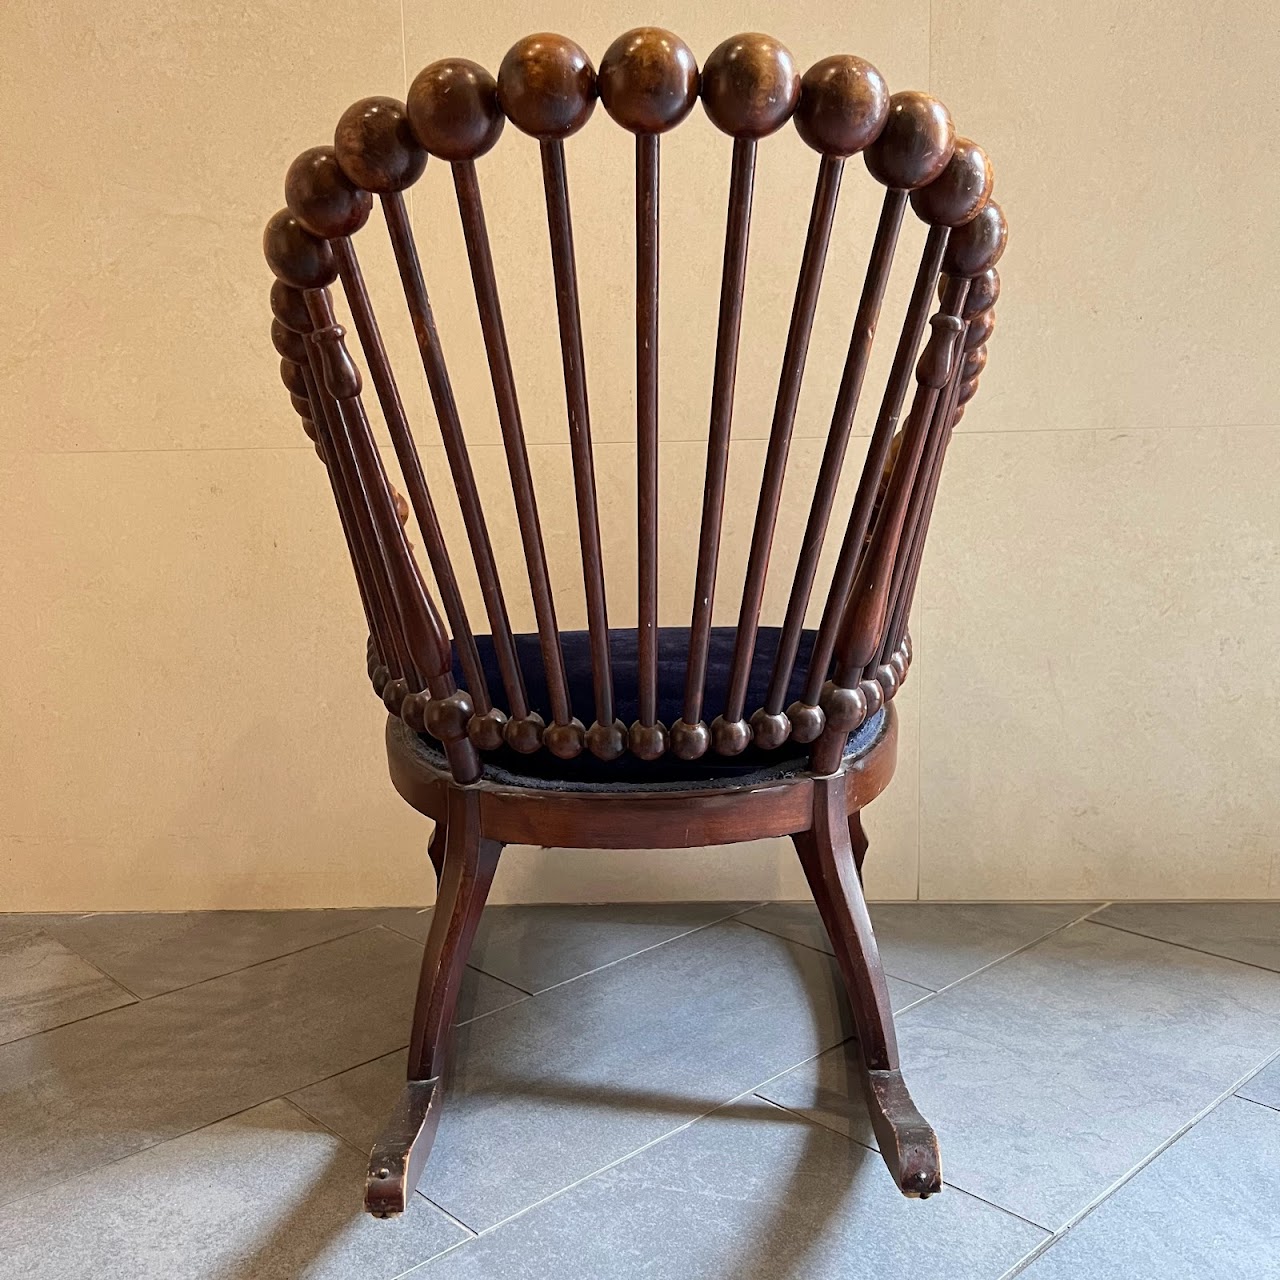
x: 467, y: 864
x: 832, y: 864
x: 858, y: 841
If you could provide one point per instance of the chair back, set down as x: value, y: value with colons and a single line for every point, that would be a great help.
x: 482, y: 691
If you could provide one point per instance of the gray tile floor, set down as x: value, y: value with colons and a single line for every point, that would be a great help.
x: 655, y: 1091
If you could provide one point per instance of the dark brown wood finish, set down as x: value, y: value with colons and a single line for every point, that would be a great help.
x: 735, y: 779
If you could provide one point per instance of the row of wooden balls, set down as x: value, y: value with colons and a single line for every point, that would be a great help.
x: 648, y: 81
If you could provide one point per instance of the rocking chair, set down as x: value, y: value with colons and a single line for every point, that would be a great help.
x: 693, y: 735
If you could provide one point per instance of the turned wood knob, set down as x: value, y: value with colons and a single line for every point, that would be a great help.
x: 648, y: 741
x: 915, y: 144
x: 648, y: 80
x: 960, y: 191
x: 565, y: 741
x: 296, y: 256
x: 453, y: 109
x: 547, y: 86
x: 376, y: 146
x: 288, y: 343
x: 322, y: 197
x: 289, y: 307
x: 977, y: 245
x: 980, y: 329
x: 844, y: 103
x: 750, y: 86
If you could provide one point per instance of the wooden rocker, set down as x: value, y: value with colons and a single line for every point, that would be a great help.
x: 698, y: 734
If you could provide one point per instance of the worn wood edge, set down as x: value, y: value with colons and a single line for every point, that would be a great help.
x: 400, y: 1153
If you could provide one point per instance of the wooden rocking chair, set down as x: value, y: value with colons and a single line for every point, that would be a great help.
x: 697, y: 735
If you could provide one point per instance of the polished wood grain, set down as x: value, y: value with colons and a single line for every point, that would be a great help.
x: 736, y: 764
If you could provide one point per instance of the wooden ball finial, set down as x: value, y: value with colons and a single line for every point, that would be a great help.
x: 648, y: 80
x: 295, y: 256
x: 290, y: 308
x: 959, y: 193
x: 915, y: 144
x: 750, y: 85
x: 977, y: 245
x: 844, y: 103
x: 453, y: 108
x: 376, y: 146
x: 322, y: 197
x: 984, y: 291
x: 547, y: 86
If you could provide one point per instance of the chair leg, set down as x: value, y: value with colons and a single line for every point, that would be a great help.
x: 828, y: 854
x: 858, y: 839
x: 435, y: 849
x: 468, y: 863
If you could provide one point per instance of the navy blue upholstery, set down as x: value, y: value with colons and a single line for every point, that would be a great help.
x: 673, y: 648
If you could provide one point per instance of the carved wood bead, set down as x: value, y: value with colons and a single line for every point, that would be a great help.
x: 770, y: 729
x: 394, y: 692
x: 607, y: 741
x: 974, y: 362
x: 898, y: 661
x: 547, y: 86
x: 565, y: 741
x: 984, y: 291
x: 525, y: 733
x: 750, y: 86
x: 960, y: 191
x: 289, y: 308
x: 380, y: 677
x: 453, y: 109
x: 309, y: 430
x: 730, y: 737
x: 873, y: 695
x: 291, y: 376
x: 322, y: 197
x: 887, y: 679
x: 447, y: 718
x: 647, y: 741
x: 413, y: 711
x: 690, y: 741
x: 915, y: 144
x: 376, y: 145
x: 977, y: 245
x: 844, y: 103
x: 301, y: 405
x: 290, y: 345
x: 807, y: 721
x: 295, y: 256
x: 648, y: 80
x: 980, y: 329
x: 485, y: 729
x: 845, y: 709
x: 968, y: 389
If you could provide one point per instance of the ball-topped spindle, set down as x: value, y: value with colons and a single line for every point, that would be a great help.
x: 974, y: 363
x: 730, y: 737
x: 322, y: 197
x: 607, y: 741
x: 453, y: 109
x: 959, y: 193
x: 750, y: 85
x: 647, y: 741
x: 289, y: 307
x: 565, y: 741
x: 648, y: 80
x: 807, y: 721
x: 296, y: 256
x: 291, y: 376
x: 689, y: 741
x: 977, y: 245
x: 377, y: 147
x: 769, y: 729
x: 844, y: 103
x: 547, y: 86
x: 915, y: 144
x: 980, y: 329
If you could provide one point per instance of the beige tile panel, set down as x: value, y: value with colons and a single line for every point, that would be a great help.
x: 1129, y: 142
x: 695, y: 168
x: 1101, y: 611
x: 146, y: 147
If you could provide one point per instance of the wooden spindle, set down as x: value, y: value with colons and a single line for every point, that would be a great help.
x: 730, y: 733
x: 523, y: 730
x: 487, y: 732
x: 771, y: 725
x: 750, y: 88
x: 648, y: 83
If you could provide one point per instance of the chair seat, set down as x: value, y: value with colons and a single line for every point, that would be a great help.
x: 543, y: 770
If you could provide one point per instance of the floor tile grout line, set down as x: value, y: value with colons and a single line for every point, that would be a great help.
x: 1186, y: 946
x: 159, y: 995
x: 1099, y: 1200
x: 1254, y: 1102
x: 600, y: 968
x: 93, y: 964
